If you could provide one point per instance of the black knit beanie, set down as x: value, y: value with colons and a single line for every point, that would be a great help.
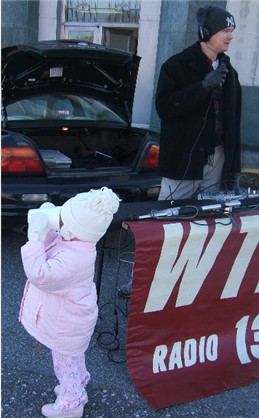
x: 213, y: 19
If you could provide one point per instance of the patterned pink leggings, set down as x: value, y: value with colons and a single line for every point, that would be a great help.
x: 73, y: 377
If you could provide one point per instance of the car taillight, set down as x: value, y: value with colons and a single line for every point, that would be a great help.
x: 20, y: 160
x: 151, y: 160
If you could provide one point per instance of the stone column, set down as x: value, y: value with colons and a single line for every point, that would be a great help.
x: 147, y: 50
x: 48, y: 20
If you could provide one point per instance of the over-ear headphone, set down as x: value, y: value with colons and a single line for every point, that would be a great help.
x: 204, y: 33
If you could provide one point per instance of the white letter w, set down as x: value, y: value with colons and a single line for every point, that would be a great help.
x: 194, y: 263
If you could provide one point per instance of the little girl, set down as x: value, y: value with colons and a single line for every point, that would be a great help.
x: 59, y: 304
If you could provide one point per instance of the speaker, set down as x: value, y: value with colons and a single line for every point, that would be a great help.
x: 204, y: 33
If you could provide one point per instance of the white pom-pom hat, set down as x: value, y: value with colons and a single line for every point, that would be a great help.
x: 87, y: 216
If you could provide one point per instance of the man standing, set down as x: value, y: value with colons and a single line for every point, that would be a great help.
x: 198, y: 100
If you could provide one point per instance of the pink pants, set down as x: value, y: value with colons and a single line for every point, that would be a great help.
x: 73, y: 377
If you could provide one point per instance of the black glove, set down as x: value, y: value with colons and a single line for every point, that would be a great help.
x: 215, y: 79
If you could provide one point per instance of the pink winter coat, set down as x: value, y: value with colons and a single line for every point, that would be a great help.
x: 59, y: 304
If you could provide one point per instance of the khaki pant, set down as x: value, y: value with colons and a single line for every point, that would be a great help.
x: 186, y: 189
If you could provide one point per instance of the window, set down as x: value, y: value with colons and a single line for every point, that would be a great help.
x: 60, y: 106
x: 82, y: 35
x: 121, y: 39
x: 109, y: 23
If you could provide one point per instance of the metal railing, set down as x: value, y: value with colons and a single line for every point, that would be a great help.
x: 102, y: 11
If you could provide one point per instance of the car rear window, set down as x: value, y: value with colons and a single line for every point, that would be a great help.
x: 60, y: 107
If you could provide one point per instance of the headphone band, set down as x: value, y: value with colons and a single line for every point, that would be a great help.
x: 203, y: 31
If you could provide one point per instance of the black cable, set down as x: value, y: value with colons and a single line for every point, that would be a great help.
x: 201, y: 190
x: 110, y: 339
x: 114, y: 343
x: 238, y: 181
x: 192, y: 149
x: 123, y: 245
x: 220, y: 212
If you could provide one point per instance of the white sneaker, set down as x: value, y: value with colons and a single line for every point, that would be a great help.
x: 83, y: 401
x: 49, y: 411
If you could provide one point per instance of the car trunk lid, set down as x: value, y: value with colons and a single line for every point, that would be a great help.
x: 75, y: 67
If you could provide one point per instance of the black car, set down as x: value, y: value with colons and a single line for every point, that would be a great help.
x: 66, y: 127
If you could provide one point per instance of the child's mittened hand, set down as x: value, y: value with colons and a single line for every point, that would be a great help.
x: 38, y: 227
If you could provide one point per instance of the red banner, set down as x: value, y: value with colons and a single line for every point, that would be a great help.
x: 193, y: 327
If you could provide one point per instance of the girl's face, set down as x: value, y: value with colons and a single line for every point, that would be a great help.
x: 65, y: 234
x: 220, y: 41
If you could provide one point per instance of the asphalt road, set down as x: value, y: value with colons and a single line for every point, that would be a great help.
x: 27, y: 374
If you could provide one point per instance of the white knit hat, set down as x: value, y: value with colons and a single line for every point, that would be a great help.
x: 87, y: 216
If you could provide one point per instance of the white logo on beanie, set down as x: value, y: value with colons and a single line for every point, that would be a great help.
x: 87, y: 216
x: 230, y: 21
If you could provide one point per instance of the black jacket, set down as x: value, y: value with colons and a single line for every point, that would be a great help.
x: 187, y: 117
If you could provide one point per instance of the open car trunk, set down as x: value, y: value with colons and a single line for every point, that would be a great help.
x: 76, y: 150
